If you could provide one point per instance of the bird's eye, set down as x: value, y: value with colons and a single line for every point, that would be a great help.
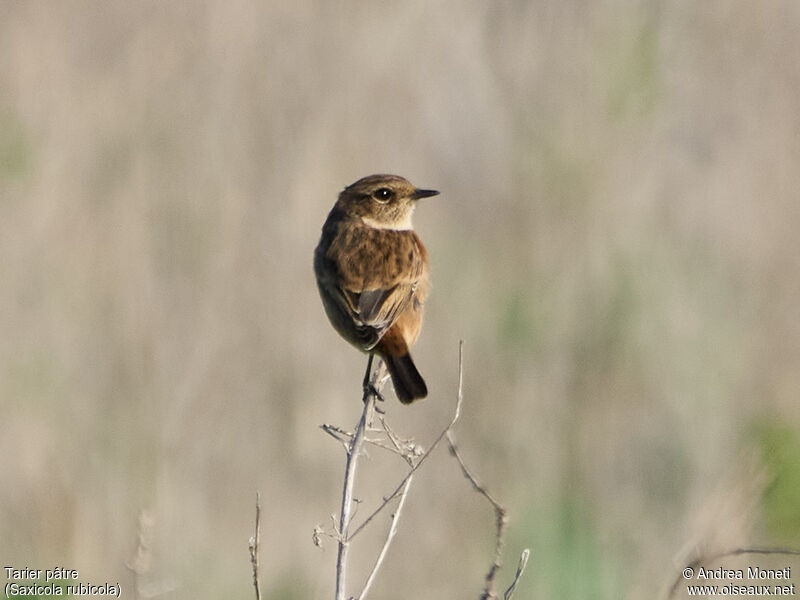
x: 382, y: 194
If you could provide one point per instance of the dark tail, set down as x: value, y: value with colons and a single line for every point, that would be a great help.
x: 408, y: 383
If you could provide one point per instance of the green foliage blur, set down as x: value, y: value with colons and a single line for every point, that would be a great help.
x: 780, y: 448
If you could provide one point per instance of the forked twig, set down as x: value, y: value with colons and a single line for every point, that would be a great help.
x: 430, y: 450
x: 339, y: 434
x: 501, y: 519
x: 354, y: 442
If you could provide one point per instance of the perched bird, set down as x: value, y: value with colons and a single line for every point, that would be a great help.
x: 372, y: 274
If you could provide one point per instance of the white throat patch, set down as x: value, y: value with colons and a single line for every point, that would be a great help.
x: 404, y: 225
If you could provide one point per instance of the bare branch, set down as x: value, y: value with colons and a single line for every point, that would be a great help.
x: 523, y: 562
x: 387, y: 439
x: 408, y: 450
x: 423, y: 458
x: 254, y: 541
x: 501, y: 520
x: 339, y: 434
x: 353, y: 452
x: 389, y: 538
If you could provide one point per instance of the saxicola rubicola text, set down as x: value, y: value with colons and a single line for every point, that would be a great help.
x: 372, y: 274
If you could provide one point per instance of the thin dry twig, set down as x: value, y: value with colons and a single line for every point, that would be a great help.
x: 254, y: 541
x: 406, y: 449
x: 501, y: 519
x: 523, y: 562
x: 424, y: 456
x: 353, y: 452
x: 410, y: 452
x: 339, y: 434
x: 387, y: 543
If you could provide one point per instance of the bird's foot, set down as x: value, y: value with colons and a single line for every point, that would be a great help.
x: 371, y: 390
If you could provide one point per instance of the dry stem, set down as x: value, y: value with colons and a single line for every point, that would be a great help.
x: 500, y: 520
x: 254, y: 548
x: 353, y: 452
x: 354, y: 443
x: 389, y: 538
x: 423, y: 458
x: 523, y: 562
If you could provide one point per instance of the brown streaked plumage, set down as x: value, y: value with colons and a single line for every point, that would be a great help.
x: 372, y: 274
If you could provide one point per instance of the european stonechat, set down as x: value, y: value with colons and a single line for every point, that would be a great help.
x: 372, y: 274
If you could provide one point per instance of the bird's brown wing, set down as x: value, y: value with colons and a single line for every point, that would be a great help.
x: 374, y: 311
x: 362, y: 296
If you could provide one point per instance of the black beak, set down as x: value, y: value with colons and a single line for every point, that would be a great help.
x: 424, y: 194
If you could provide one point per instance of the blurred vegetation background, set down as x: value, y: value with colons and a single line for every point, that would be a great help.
x: 616, y: 242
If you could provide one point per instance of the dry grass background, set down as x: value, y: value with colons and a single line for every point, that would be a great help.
x: 616, y: 242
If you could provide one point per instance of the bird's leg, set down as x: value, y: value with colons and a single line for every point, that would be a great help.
x: 368, y: 385
x: 365, y: 385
